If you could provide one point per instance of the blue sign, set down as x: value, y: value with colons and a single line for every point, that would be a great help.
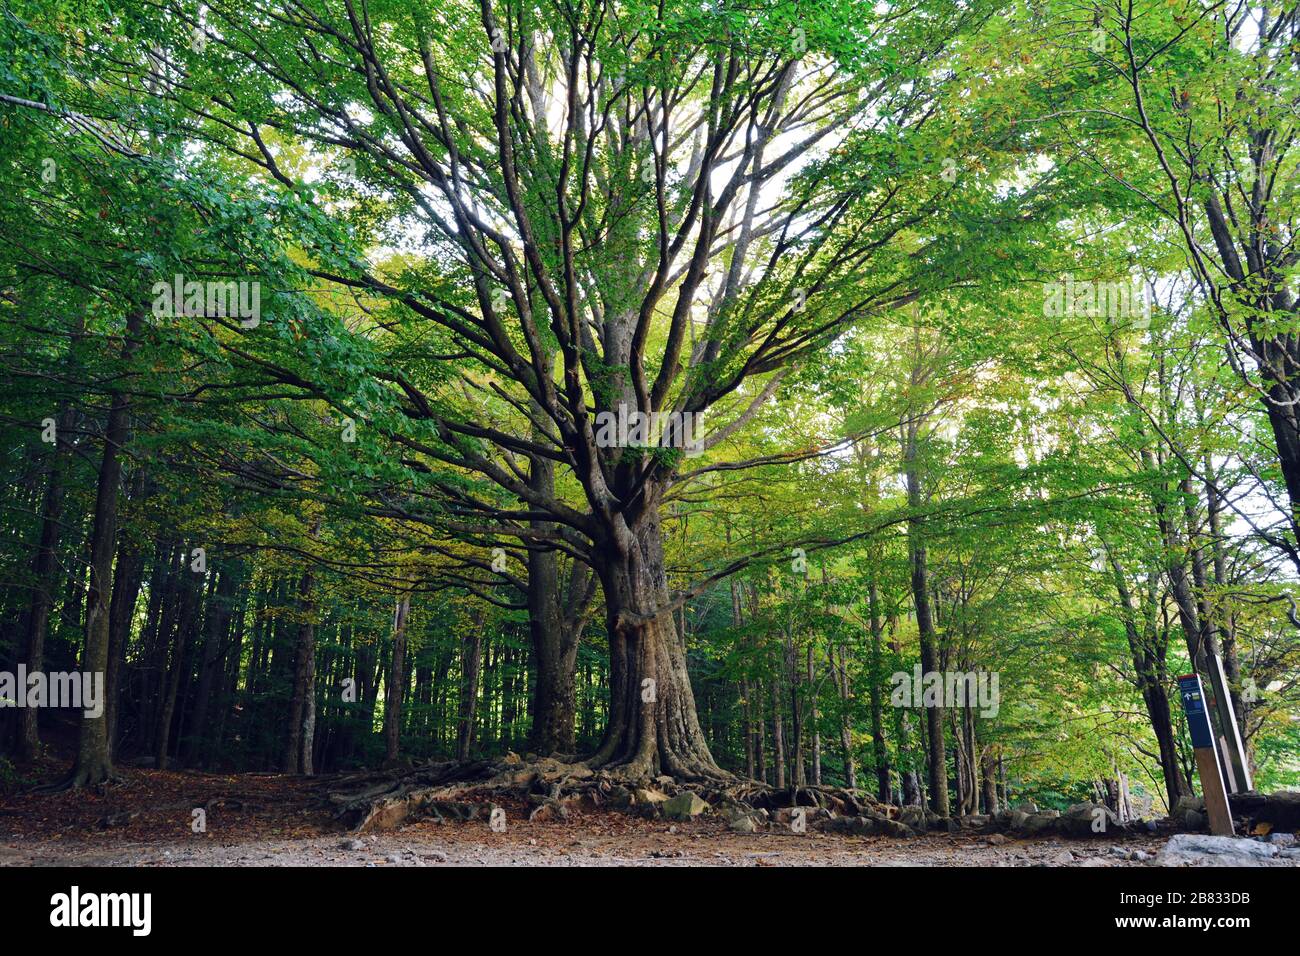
x: 1198, y: 721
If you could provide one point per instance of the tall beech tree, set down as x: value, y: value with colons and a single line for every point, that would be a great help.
x: 622, y: 208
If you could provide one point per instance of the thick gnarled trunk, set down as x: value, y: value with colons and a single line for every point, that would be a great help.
x: 653, y: 726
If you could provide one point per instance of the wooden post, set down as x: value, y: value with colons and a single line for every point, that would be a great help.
x: 1208, y: 766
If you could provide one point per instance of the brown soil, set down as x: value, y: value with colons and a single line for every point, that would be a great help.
x: 278, y: 820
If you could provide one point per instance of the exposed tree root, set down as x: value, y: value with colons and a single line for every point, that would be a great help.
x: 550, y: 786
x: 80, y: 781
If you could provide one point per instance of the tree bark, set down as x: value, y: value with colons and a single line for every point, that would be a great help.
x: 471, y: 658
x: 44, y: 568
x: 937, y: 755
x: 304, y: 658
x: 217, y: 625
x: 879, y: 746
x: 176, y: 667
x: 395, y: 685
x: 653, y: 726
x: 94, y: 765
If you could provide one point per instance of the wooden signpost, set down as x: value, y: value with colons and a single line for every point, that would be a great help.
x: 1208, y: 766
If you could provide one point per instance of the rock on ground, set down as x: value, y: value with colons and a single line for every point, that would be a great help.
x: 1196, y: 849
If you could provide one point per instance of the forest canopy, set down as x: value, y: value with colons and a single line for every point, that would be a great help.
x: 892, y: 396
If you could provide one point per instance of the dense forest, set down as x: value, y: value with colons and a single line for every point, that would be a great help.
x: 673, y: 387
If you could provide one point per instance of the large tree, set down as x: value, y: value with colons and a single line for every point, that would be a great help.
x: 619, y: 208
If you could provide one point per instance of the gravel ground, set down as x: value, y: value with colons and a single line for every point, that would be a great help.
x: 593, y: 841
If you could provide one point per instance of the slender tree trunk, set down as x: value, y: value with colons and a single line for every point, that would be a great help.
x: 211, y: 666
x: 44, y: 570
x: 1148, y: 668
x: 555, y: 636
x: 988, y: 781
x: 880, y: 747
x: 745, y: 688
x: 471, y: 657
x: 396, y: 683
x: 1224, y: 615
x: 94, y: 764
x: 778, y: 736
x: 934, y: 715
x: 304, y: 658
x: 845, y: 690
x: 175, y: 669
x: 128, y: 575
x: 793, y: 670
x: 812, y: 720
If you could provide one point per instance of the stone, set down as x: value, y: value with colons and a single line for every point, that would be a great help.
x: 892, y: 828
x: 1188, y: 813
x: 1088, y: 819
x: 1281, y: 810
x: 914, y: 817
x: 549, y: 812
x: 353, y: 845
x: 785, y: 815
x: 1282, y: 839
x: 1188, y: 803
x: 684, y: 806
x: 644, y: 796
x: 1195, y: 849
x: 997, y: 839
x: 745, y: 824
x: 1039, y: 823
x: 733, y: 811
x: 869, y: 824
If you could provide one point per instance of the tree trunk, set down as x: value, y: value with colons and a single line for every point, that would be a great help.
x: 653, y: 727
x: 793, y: 670
x: 937, y: 756
x: 44, y: 569
x: 128, y: 575
x: 304, y: 657
x: 879, y: 746
x: 472, y: 651
x: 778, y: 736
x: 396, y: 682
x: 176, y: 668
x: 812, y: 720
x: 989, y: 781
x: 211, y: 666
x: 94, y: 763
x: 845, y: 690
x: 554, y: 635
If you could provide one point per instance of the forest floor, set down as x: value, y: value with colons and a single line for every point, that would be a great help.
x: 275, y: 820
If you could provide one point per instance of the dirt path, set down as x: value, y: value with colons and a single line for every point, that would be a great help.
x: 274, y: 820
x: 589, y: 842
